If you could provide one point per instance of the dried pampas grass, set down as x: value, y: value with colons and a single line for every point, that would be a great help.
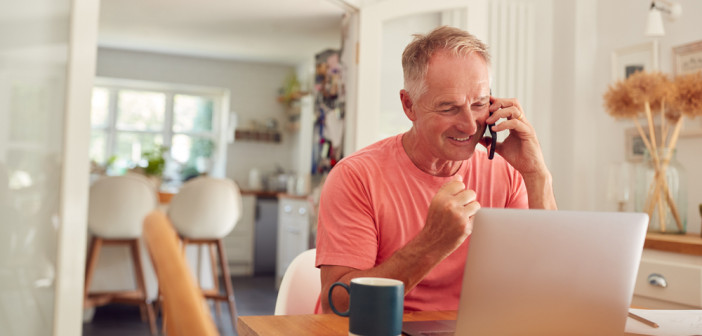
x: 619, y: 103
x: 627, y: 98
x: 652, y: 87
x: 646, y: 93
x: 687, y: 97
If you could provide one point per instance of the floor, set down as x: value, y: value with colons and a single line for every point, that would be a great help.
x: 253, y: 295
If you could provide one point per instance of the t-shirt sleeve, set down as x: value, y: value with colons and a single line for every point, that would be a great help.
x: 346, y: 234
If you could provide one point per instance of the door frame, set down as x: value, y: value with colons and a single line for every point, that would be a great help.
x: 371, y: 17
x: 73, y: 196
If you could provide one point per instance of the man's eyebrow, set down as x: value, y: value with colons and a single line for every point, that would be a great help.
x: 443, y: 103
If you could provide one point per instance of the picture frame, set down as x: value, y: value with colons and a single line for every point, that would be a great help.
x: 627, y: 60
x: 635, y: 147
x: 687, y: 58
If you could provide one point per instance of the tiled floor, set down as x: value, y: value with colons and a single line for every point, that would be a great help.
x: 254, y: 296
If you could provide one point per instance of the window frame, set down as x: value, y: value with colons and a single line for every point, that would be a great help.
x: 220, y: 118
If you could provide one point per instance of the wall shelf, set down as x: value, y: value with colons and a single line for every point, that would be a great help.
x: 258, y: 135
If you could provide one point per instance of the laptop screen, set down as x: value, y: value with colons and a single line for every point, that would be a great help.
x: 539, y: 272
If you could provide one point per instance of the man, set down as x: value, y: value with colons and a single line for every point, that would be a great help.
x: 402, y: 208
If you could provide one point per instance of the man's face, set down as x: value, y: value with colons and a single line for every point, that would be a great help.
x: 449, y: 118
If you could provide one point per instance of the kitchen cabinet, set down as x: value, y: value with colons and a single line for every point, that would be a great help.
x: 293, y: 231
x: 239, y: 243
x: 670, y: 273
x: 274, y: 228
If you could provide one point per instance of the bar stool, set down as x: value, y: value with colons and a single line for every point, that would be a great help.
x: 203, y: 212
x: 116, y: 209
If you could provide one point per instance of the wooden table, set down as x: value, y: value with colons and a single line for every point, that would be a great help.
x: 677, y: 243
x: 322, y: 324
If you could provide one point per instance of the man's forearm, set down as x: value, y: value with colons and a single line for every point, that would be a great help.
x: 540, y: 190
x: 410, y: 264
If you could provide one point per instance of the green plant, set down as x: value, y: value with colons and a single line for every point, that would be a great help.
x: 155, y: 163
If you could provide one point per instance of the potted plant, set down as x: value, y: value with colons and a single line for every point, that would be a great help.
x: 155, y: 163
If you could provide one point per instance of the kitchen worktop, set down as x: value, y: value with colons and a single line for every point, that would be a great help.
x: 271, y: 194
x: 165, y: 197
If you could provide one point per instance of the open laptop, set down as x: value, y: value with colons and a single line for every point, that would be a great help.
x: 539, y: 272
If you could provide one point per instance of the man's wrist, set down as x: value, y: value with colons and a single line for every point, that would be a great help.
x: 539, y: 187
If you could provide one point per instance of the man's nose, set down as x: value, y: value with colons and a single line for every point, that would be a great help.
x: 466, y: 121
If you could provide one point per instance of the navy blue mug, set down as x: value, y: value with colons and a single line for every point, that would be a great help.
x: 375, y: 306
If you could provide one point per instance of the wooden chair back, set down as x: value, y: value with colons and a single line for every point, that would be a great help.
x: 184, y: 308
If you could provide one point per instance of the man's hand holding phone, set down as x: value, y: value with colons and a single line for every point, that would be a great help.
x: 521, y: 147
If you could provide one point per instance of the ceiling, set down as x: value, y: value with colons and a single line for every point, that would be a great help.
x: 276, y: 31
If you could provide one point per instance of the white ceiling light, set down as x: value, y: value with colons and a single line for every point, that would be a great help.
x: 654, y: 25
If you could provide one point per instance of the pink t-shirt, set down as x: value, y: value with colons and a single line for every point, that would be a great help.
x: 376, y: 200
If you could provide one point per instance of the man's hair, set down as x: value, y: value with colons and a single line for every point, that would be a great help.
x: 415, y: 58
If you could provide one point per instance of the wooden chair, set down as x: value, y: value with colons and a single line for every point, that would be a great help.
x: 185, y: 311
x: 203, y: 212
x: 116, y: 210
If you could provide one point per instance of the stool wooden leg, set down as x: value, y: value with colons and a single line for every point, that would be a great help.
x: 142, y: 313
x: 141, y: 284
x: 93, y: 254
x: 227, y: 281
x: 215, y: 277
x: 152, y: 318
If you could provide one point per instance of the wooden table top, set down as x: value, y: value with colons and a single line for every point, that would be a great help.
x: 678, y: 243
x: 322, y: 324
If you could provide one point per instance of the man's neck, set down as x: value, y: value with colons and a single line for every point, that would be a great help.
x: 427, y: 163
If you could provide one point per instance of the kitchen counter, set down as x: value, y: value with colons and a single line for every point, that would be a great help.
x: 271, y: 194
x: 165, y: 197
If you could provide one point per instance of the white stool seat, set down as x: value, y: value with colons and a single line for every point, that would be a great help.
x: 206, y: 208
x: 118, y: 205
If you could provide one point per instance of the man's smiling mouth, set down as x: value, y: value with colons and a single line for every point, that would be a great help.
x: 460, y: 139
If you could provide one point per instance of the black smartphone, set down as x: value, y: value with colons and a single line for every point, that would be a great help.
x: 493, y: 135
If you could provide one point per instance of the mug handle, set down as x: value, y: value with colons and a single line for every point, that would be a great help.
x: 331, y: 303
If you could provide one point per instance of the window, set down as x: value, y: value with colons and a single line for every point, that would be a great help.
x: 131, y: 119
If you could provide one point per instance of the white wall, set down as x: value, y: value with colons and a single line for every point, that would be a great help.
x: 586, y: 140
x: 253, y: 87
x: 572, y: 133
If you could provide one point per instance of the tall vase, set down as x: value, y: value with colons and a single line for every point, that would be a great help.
x: 667, y: 210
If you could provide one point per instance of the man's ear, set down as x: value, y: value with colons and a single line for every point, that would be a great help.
x: 407, y: 105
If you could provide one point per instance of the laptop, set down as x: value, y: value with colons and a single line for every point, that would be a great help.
x: 541, y: 272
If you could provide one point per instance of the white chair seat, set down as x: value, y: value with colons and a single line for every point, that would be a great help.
x: 300, y: 287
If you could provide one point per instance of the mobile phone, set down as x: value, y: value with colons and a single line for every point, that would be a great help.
x: 493, y: 135
x: 494, y: 141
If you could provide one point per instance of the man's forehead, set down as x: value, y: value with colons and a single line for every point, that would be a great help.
x: 458, y: 97
x: 471, y: 65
